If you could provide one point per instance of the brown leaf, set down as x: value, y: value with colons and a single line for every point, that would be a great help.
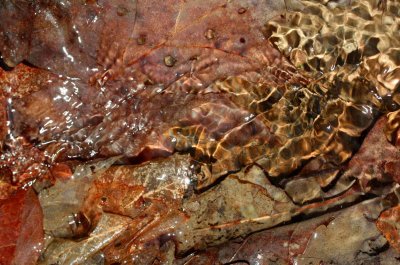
x: 64, y: 251
x: 218, y: 214
x: 344, y: 237
x: 63, y: 201
x: 21, y: 234
x: 376, y: 161
x: 142, y: 73
x: 82, y: 37
x: 133, y: 190
x: 145, y: 197
x: 206, y: 82
x: 389, y: 225
x: 151, y: 194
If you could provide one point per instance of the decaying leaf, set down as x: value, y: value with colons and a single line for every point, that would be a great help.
x: 77, y: 252
x: 372, y: 165
x: 344, y: 237
x: 389, y: 225
x: 242, y: 203
x: 21, y: 233
x: 142, y: 202
x: 157, y: 196
x: 140, y: 88
x: 191, y: 124
x: 63, y: 200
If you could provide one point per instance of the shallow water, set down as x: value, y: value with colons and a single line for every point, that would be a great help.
x: 228, y: 119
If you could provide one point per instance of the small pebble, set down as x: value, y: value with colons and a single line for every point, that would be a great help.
x: 169, y: 61
x: 242, y: 10
x: 209, y: 34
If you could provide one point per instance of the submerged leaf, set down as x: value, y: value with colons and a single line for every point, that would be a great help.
x: 21, y: 233
x: 226, y: 118
x: 63, y: 251
x: 65, y: 199
x: 389, y: 224
x: 344, y: 237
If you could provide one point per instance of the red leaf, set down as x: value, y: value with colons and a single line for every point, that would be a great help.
x: 21, y: 233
